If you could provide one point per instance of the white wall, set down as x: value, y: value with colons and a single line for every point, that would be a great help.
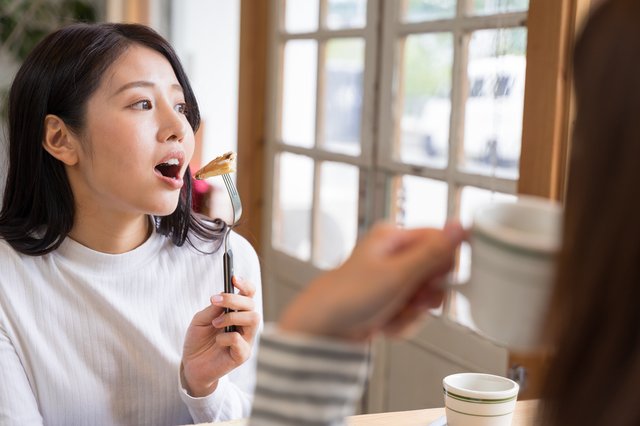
x: 7, y: 71
x: 206, y: 34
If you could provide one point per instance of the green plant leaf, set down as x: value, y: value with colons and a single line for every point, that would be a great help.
x: 40, y: 18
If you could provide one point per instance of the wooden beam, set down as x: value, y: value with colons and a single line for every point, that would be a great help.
x: 134, y: 11
x: 138, y: 12
x: 251, y: 115
x: 552, y: 27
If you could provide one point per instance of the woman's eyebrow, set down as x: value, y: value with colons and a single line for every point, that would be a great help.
x: 144, y: 84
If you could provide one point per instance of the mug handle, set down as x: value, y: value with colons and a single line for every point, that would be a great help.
x: 448, y: 284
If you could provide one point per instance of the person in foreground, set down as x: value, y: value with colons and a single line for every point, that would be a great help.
x: 312, y: 367
x: 594, y: 321
x: 110, y: 304
x: 593, y: 325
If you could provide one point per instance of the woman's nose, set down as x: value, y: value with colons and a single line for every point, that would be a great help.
x: 173, y: 126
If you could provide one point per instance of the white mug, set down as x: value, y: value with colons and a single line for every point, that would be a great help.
x: 475, y: 399
x: 514, y: 246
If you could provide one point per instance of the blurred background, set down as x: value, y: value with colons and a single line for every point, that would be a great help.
x: 349, y: 112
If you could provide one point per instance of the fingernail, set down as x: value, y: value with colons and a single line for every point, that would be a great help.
x: 217, y: 299
x: 239, y: 280
x: 454, y: 232
x: 218, y: 321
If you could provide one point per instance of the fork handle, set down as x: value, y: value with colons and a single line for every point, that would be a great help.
x: 228, y: 283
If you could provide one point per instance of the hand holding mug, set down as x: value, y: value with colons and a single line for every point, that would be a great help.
x: 389, y: 282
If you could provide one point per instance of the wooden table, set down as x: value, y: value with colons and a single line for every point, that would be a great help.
x: 523, y: 416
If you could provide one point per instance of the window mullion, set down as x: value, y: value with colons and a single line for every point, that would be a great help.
x: 388, y: 93
x: 465, y: 23
x: 369, y: 126
x: 321, y: 154
x: 316, y: 214
x: 316, y: 221
x: 456, y: 129
x: 319, y: 131
x: 325, y: 34
x: 507, y: 186
x: 370, y: 123
x: 379, y: 185
x: 367, y: 212
x: 458, y: 94
x: 322, y: 15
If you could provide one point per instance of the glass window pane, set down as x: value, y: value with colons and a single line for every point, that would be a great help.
x: 422, y: 202
x: 344, y: 67
x: 492, y: 7
x: 292, y: 213
x: 343, y: 14
x: 339, y: 191
x: 426, y: 99
x: 301, y: 16
x: 493, y: 111
x: 299, y: 93
x: 428, y: 10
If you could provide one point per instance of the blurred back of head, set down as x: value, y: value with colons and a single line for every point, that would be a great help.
x: 594, y: 317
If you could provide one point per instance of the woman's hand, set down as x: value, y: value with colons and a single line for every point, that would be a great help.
x: 387, y: 284
x: 209, y: 353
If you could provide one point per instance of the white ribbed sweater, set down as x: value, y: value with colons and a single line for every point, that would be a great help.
x: 88, y: 338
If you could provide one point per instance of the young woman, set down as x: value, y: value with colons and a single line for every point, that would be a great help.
x: 110, y: 304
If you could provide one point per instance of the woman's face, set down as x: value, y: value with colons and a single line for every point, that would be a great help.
x: 137, y: 142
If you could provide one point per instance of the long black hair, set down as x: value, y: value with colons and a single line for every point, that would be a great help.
x: 58, y: 78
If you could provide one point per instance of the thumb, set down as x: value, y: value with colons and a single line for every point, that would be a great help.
x: 207, y: 315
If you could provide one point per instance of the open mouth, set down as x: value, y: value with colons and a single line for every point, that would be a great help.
x: 170, y: 168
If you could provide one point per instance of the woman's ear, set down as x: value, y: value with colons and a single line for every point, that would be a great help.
x: 58, y: 141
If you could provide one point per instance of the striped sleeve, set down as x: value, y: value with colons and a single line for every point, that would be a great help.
x: 307, y: 381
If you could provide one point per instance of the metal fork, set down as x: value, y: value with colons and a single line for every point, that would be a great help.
x: 236, y: 204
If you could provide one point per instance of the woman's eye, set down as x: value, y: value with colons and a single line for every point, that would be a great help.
x: 144, y: 105
x: 181, y: 108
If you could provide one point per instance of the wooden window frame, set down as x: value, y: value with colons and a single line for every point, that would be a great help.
x: 548, y: 108
x: 137, y: 11
x: 552, y: 27
x: 548, y: 100
x: 252, y: 86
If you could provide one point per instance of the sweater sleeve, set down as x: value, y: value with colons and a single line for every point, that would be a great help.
x: 307, y: 380
x: 227, y: 402
x: 18, y: 404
